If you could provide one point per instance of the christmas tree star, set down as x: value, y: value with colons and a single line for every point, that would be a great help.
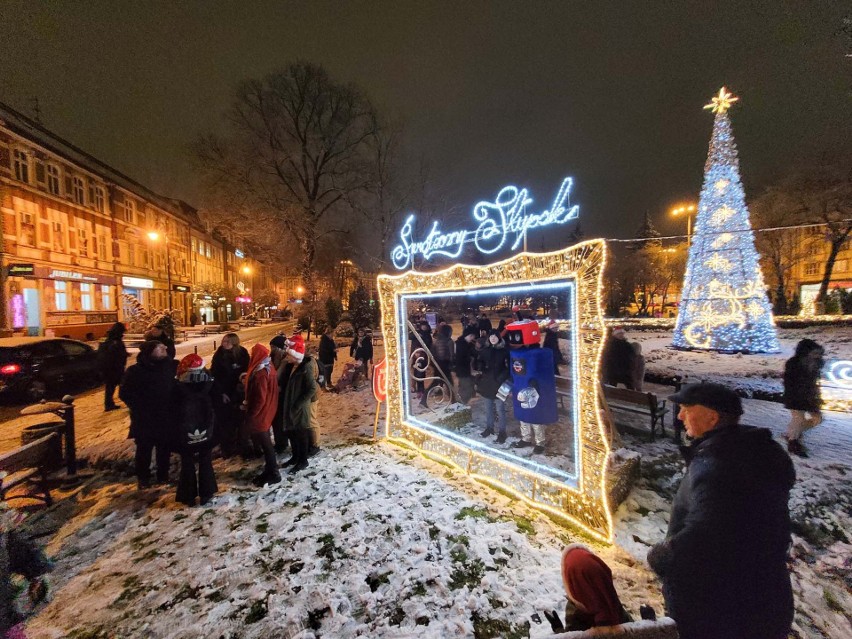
x: 721, y: 102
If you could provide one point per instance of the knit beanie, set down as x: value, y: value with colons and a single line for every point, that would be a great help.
x: 279, y: 341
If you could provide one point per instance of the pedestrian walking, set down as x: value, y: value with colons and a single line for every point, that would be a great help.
x: 723, y: 563
x: 230, y: 361
x: 802, y: 394
x: 147, y: 389
x: 260, y: 405
x: 195, y: 431
x: 328, y: 355
x: 300, y: 395
x: 112, y: 359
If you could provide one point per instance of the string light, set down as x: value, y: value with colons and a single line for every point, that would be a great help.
x: 724, y: 306
x: 581, y: 497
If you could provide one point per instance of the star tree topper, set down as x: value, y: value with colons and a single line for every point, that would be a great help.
x: 722, y: 102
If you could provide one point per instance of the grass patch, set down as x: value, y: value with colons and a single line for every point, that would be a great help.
x: 131, y: 589
x: 374, y: 580
x: 487, y: 628
x: 397, y: 616
x: 262, y: 527
x: 419, y: 589
x: 524, y: 525
x: 89, y: 633
x: 257, y: 611
x: 474, y: 513
x: 831, y: 601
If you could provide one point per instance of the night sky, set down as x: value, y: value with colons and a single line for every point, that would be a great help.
x: 491, y: 93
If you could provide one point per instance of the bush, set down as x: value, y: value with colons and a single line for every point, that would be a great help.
x: 344, y: 329
x: 303, y: 321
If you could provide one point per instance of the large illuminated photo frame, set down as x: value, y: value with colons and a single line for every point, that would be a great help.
x: 581, y: 498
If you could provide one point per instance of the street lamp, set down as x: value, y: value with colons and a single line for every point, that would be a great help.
x: 688, y: 210
x: 246, y: 270
x: 154, y: 236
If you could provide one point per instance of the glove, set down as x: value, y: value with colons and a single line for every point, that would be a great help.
x: 555, y: 621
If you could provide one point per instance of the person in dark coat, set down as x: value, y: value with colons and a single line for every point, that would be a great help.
x: 327, y: 355
x: 551, y: 341
x: 300, y: 394
x: 260, y: 405
x: 618, y: 361
x: 443, y: 352
x: 494, y: 366
x: 147, y: 389
x: 801, y: 393
x: 229, y: 362
x: 362, y: 350
x: 194, y: 429
x: 112, y: 358
x: 278, y: 353
x: 484, y: 325
x: 723, y: 563
x: 158, y: 333
x: 465, y: 354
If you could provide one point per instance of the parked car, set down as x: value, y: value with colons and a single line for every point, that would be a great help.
x: 34, y: 367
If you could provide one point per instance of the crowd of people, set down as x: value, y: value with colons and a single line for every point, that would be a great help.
x: 258, y: 403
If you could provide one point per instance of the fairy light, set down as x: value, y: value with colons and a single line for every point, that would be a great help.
x: 579, y: 498
x: 724, y: 306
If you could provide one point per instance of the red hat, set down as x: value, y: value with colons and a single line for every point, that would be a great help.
x: 588, y: 581
x: 296, y: 347
x: 190, y: 364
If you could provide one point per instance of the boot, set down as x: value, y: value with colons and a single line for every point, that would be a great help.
x: 487, y: 432
x: 794, y: 447
x: 538, y: 450
x: 521, y: 444
x: 501, y: 438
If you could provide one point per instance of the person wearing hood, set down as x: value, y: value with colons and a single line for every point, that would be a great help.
x: 112, y: 359
x: 230, y: 361
x: 193, y: 409
x: 494, y: 365
x: 147, y: 389
x: 723, y: 563
x: 260, y: 405
x: 801, y: 393
x: 300, y: 394
x: 278, y: 349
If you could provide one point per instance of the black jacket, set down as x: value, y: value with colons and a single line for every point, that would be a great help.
x: 723, y: 562
x: 551, y: 341
x: 112, y: 358
x: 299, y: 383
x: 443, y: 351
x: 226, y: 368
x: 801, y: 391
x: 164, y: 339
x: 147, y: 390
x: 494, y: 364
x: 327, y: 350
x: 192, y: 408
x: 362, y: 348
x: 618, y: 362
x: 465, y: 353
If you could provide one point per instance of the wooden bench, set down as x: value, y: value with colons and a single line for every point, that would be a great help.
x: 638, y: 402
x: 27, y: 465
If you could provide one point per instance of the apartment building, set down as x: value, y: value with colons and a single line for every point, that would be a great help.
x: 807, y: 271
x: 80, y: 240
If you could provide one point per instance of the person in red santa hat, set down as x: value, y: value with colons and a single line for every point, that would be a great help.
x: 300, y: 387
x: 260, y: 405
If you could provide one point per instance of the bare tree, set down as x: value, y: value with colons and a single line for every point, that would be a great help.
x: 296, y: 148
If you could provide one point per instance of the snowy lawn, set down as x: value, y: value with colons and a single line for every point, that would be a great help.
x: 374, y: 541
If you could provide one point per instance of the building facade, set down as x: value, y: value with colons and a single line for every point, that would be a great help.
x: 81, y: 242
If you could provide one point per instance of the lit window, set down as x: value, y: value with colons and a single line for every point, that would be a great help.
x: 22, y: 166
x: 102, y: 247
x: 106, y: 298
x: 58, y: 236
x: 60, y: 295
x: 53, y: 179
x: 28, y: 232
x: 83, y: 241
x: 811, y: 268
x: 99, y: 199
x: 86, y: 296
x: 129, y: 210
x: 78, y: 189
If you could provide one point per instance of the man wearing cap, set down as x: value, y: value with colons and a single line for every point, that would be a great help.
x: 723, y: 562
x: 299, y: 384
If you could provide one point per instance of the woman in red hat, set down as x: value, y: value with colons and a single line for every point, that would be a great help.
x: 589, y: 587
x: 260, y: 405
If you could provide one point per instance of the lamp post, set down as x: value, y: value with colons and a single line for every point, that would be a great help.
x: 155, y: 236
x: 246, y: 270
x: 688, y: 210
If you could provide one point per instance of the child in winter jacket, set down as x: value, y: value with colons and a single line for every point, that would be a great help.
x: 801, y: 393
x: 193, y: 410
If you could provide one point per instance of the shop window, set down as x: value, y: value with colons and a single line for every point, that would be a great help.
x: 60, y: 295
x: 78, y: 189
x: 106, y: 297
x: 53, y: 181
x: 86, y: 296
x: 22, y: 166
x: 27, y: 236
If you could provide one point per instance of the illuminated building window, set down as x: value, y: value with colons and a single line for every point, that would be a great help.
x: 841, y: 266
x: 106, y: 297
x: 53, y: 181
x: 129, y: 210
x: 22, y: 166
x: 99, y: 199
x: 58, y: 236
x: 83, y: 242
x: 86, y: 296
x: 78, y: 189
x: 28, y: 230
x: 812, y: 268
x: 60, y: 295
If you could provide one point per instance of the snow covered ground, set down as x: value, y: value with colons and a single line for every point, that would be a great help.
x: 375, y: 541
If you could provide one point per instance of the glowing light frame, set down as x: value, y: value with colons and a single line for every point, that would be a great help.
x: 583, y: 502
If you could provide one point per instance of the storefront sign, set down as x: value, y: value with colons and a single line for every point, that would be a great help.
x: 180, y: 288
x: 21, y: 269
x: 137, y: 282
x: 69, y: 275
x: 72, y: 275
x: 502, y: 221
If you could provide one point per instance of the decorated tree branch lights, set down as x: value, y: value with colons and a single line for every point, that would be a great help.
x: 724, y: 306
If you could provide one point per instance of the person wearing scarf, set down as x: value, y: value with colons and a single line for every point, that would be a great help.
x: 260, y: 405
x: 589, y: 587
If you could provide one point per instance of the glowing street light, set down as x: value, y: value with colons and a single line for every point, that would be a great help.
x: 156, y: 236
x: 688, y: 210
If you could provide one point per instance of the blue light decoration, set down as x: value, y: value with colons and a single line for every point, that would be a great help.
x: 836, y: 385
x: 506, y: 216
x: 723, y: 304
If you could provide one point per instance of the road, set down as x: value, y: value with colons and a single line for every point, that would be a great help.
x: 89, y: 403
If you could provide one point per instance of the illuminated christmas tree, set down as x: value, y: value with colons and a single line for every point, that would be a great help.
x: 724, y: 306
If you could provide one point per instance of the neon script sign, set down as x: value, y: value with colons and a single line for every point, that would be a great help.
x: 503, y: 221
